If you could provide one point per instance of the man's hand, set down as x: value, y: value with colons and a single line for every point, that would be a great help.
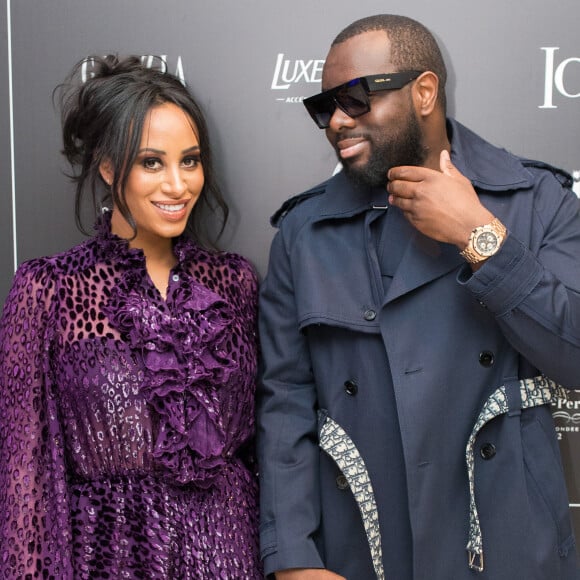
x: 441, y: 204
x: 307, y: 574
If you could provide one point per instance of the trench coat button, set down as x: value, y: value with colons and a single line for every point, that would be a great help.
x: 487, y: 450
x: 341, y: 482
x: 486, y: 358
x: 351, y: 387
x: 370, y: 314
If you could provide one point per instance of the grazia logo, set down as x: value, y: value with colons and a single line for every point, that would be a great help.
x: 160, y: 62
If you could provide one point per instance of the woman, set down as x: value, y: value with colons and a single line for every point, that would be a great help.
x: 127, y: 364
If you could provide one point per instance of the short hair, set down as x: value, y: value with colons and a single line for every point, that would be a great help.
x: 102, y: 119
x: 413, y: 46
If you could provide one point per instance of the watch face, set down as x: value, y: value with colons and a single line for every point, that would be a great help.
x: 486, y: 243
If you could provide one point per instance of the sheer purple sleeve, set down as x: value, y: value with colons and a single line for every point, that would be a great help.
x: 35, y: 532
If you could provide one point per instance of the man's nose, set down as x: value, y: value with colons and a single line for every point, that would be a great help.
x: 340, y: 119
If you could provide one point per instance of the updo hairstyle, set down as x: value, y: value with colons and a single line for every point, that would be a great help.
x: 104, y: 103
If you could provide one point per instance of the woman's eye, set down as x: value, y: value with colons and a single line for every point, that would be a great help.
x: 191, y: 161
x: 151, y: 163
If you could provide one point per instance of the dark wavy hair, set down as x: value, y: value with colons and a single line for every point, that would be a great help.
x: 102, y: 119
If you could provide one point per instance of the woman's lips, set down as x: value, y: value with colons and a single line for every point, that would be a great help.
x: 172, y: 211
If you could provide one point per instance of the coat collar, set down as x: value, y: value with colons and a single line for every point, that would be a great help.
x: 486, y: 166
x: 424, y: 259
x: 344, y: 199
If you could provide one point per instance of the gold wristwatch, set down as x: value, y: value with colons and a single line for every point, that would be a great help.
x: 484, y: 241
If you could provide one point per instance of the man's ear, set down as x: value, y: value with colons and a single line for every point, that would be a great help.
x: 425, y: 92
x: 106, y: 171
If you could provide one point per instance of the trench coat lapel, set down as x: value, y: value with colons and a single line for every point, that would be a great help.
x: 424, y: 260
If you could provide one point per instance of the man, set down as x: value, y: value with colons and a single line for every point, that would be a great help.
x: 397, y: 437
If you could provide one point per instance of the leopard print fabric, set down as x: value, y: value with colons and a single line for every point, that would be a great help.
x: 126, y: 420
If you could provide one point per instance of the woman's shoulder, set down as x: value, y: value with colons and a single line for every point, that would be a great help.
x: 222, y: 264
x: 237, y: 263
x: 61, y: 262
x: 32, y: 289
x: 44, y: 272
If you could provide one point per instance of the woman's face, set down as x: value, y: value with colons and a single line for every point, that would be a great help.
x: 165, y: 181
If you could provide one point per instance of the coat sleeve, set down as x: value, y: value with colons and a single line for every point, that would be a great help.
x: 287, y: 426
x: 34, y: 511
x: 533, y: 288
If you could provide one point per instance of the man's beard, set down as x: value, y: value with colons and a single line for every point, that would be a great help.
x: 404, y: 148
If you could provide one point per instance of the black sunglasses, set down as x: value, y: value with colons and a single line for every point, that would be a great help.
x: 353, y: 97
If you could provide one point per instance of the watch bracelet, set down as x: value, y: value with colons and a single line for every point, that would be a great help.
x: 470, y: 254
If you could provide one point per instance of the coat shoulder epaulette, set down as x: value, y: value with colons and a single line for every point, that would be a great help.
x: 291, y: 203
x: 560, y: 174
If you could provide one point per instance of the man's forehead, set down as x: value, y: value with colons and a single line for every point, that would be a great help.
x: 364, y: 54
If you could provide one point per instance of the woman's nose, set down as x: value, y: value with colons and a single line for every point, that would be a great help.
x: 174, y: 183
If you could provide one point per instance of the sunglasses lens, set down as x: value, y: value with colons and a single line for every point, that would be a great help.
x: 351, y: 98
x: 353, y: 101
x: 323, y: 112
x: 321, y: 109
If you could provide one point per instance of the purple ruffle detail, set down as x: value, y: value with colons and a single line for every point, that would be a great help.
x: 184, y: 360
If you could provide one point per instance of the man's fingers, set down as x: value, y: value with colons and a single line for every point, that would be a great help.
x: 446, y: 165
x: 407, y: 173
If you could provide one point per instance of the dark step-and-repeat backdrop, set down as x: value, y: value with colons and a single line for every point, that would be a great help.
x: 514, y: 78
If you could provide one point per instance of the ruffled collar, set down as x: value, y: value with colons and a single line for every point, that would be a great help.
x: 111, y: 247
x: 181, y: 345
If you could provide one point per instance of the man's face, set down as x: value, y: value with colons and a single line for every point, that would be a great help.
x: 389, y: 134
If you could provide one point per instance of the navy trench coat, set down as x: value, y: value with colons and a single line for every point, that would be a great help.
x: 449, y: 338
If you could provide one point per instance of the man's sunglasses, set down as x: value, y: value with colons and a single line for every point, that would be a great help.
x: 353, y: 97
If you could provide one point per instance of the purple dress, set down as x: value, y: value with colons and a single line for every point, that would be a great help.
x: 126, y: 420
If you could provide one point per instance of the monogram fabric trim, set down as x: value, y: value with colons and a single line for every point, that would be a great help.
x: 533, y: 392
x: 334, y: 440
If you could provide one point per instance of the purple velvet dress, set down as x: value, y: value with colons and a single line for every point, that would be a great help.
x: 126, y: 420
